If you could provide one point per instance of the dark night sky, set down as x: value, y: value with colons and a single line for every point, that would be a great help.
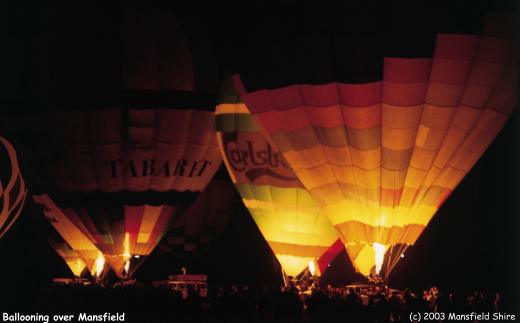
x: 472, y: 242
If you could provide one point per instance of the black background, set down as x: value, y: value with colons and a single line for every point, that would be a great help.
x: 472, y: 242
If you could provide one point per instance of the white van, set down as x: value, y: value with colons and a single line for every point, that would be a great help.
x: 185, y: 284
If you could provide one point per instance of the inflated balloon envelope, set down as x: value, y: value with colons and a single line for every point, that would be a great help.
x: 289, y: 219
x: 382, y: 155
x: 114, y: 171
x: 12, y: 187
x: 120, y: 184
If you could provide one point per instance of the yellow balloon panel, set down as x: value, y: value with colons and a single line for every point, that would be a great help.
x: 362, y: 257
x: 76, y: 265
x: 293, y: 265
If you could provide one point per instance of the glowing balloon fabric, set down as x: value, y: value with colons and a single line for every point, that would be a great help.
x: 119, y: 167
x: 120, y: 175
x: 73, y: 259
x: 287, y: 216
x: 381, y: 157
x: 70, y: 237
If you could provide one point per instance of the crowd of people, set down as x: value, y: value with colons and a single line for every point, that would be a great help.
x: 302, y: 302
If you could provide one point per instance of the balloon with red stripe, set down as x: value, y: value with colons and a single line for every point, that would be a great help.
x: 292, y: 223
x: 115, y: 163
x: 381, y: 132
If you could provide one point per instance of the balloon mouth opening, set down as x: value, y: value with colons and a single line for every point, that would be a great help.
x: 126, y: 268
x: 99, y: 266
x: 312, y: 267
x: 379, y: 256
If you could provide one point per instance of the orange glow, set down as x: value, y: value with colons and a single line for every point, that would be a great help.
x: 127, y: 266
x: 379, y: 252
x: 76, y: 266
x: 290, y: 220
x: 381, y: 157
x: 99, y: 265
x: 312, y: 267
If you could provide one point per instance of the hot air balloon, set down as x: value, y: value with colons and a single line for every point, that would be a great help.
x: 289, y: 219
x: 208, y: 215
x: 12, y: 187
x: 117, y: 166
x: 380, y: 143
x: 122, y: 193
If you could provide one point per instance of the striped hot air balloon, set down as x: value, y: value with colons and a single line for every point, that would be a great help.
x: 114, y: 165
x: 289, y: 219
x: 381, y: 142
x: 120, y: 185
x: 12, y: 187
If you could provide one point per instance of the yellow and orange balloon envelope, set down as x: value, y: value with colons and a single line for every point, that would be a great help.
x: 381, y: 157
x: 289, y: 219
